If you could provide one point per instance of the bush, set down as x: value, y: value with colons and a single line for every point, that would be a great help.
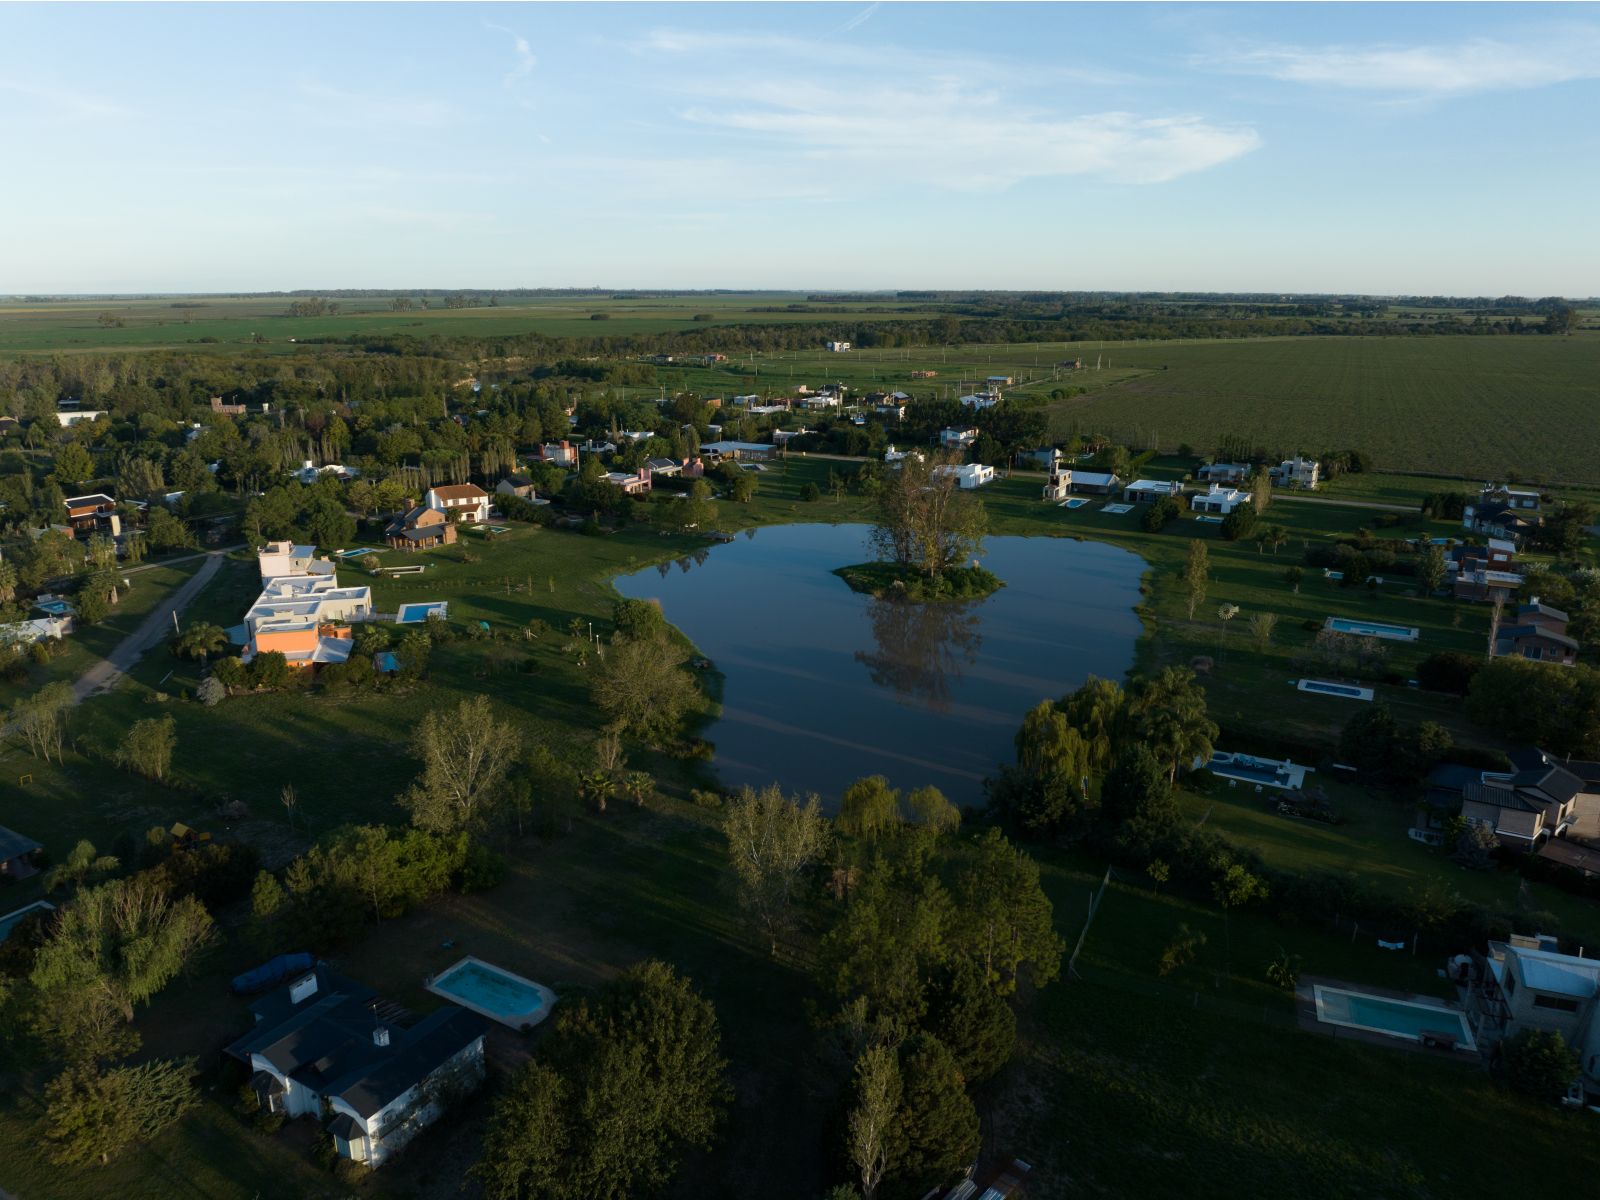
x: 1159, y: 515
x: 1239, y: 524
x: 1540, y: 1064
x: 810, y: 492
x: 483, y: 869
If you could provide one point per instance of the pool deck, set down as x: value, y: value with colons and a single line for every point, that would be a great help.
x: 1305, y: 1011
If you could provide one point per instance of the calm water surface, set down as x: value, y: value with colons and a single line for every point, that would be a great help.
x: 824, y: 685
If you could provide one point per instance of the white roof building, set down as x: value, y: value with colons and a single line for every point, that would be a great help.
x: 967, y: 475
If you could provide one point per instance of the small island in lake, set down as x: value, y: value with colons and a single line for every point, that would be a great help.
x: 901, y: 581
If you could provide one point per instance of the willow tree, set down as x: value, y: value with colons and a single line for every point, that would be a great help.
x: 925, y: 520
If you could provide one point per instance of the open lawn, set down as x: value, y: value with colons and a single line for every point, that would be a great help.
x: 1129, y: 1085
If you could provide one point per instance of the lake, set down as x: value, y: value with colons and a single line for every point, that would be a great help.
x: 824, y: 685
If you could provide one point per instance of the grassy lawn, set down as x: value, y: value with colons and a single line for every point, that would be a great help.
x: 1128, y: 1083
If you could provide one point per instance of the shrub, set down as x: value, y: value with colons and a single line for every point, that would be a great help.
x: 810, y: 492
x: 1448, y: 671
x: 483, y: 869
x: 1159, y: 515
x: 1540, y: 1064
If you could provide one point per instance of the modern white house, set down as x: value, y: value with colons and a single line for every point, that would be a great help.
x: 75, y: 416
x: 1218, y: 499
x: 633, y: 483
x: 277, y: 559
x: 951, y: 437
x: 1299, y: 472
x: 981, y: 400
x: 302, y: 612
x: 325, y: 1047
x: 309, y: 472
x: 1144, y: 491
x: 1527, y: 983
x: 967, y: 475
x: 463, y: 501
x: 838, y: 347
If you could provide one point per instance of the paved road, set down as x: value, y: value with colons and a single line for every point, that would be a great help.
x: 152, y: 631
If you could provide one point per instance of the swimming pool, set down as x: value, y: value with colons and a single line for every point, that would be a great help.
x: 54, y: 608
x: 411, y: 614
x: 494, y: 992
x: 1397, y: 633
x: 1324, y: 688
x: 1268, y: 771
x: 11, y: 919
x: 1404, y: 1019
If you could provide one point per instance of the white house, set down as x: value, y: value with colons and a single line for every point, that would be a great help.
x: 981, y: 400
x: 967, y: 475
x: 278, y: 559
x: 952, y: 438
x: 39, y: 629
x: 1059, y: 485
x: 322, y: 1048
x: 309, y: 472
x: 895, y: 457
x: 463, y: 501
x: 1218, y: 499
x: 73, y: 417
x: 1144, y: 491
x: 1298, y: 472
x: 838, y: 347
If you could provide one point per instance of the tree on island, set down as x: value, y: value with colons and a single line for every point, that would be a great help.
x: 925, y: 521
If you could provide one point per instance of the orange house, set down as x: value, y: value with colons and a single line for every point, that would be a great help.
x: 303, y: 644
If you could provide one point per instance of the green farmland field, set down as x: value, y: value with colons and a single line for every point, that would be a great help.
x: 1477, y: 407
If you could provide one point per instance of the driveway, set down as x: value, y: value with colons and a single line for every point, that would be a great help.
x: 153, y: 630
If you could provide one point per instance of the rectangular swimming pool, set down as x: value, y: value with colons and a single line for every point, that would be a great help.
x: 1407, y: 1020
x: 494, y: 992
x: 1396, y: 633
x: 1323, y: 687
x: 412, y: 614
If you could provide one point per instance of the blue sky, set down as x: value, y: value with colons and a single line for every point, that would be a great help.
x: 1375, y: 148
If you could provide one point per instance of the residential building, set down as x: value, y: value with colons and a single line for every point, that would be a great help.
x: 75, y: 416
x: 895, y: 457
x: 1482, y: 584
x: 304, y: 617
x: 1298, y: 472
x: 280, y: 559
x: 1059, y: 485
x: 519, y: 486
x: 979, y: 400
x: 231, y: 410
x: 924, y: 374
x: 95, y: 513
x: 738, y: 451
x: 664, y: 468
x: 634, y: 483
x: 1537, y: 632
x: 593, y: 447
x: 890, y: 410
x: 1224, y: 472
x: 782, y: 437
x: 309, y: 472
x: 36, y: 629
x: 463, y: 501
x: 560, y: 454
x: 1515, y: 498
x: 996, y: 382
x: 14, y: 852
x: 1540, y: 798
x: 998, y: 1183
x: 1218, y: 499
x: 1094, y: 483
x: 419, y: 528
x: 747, y: 400
x: 1145, y: 491
x: 838, y: 347
x: 957, y: 439
x: 1527, y: 983
x: 1498, y: 519
x: 325, y: 1047
x: 967, y: 475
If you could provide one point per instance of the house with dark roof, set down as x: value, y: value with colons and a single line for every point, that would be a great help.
x: 519, y: 486
x: 1527, y: 983
x: 1496, y: 518
x: 1537, y: 632
x: 419, y: 528
x: 327, y: 1048
x: 14, y: 852
x: 1538, y: 799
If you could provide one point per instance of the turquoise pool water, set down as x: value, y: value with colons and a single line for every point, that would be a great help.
x: 1407, y: 1019
x: 411, y: 614
x: 1332, y: 689
x: 491, y: 991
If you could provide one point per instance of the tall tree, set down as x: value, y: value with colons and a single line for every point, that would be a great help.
x: 1002, y: 916
x: 869, y: 807
x: 939, y: 1124
x: 146, y: 748
x: 874, y: 1131
x: 40, y: 719
x: 465, y: 757
x: 772, y: 840
x: 643, y: 686
x: 925, y: 520
x: 1196, y: 576
x: 1169, y: 712
x: 90, y: 1116
x: 625, y: 1083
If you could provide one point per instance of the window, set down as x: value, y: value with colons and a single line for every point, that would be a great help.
x: 1559, y: 1003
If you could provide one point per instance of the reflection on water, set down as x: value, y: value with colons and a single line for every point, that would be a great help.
x: 919, y: 650
x: 823, y: 685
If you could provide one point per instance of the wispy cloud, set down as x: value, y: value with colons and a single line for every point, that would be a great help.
x: 525, y: 57
x: 1477, y: 65
x: 860, y: 19
x: 933, y: 120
